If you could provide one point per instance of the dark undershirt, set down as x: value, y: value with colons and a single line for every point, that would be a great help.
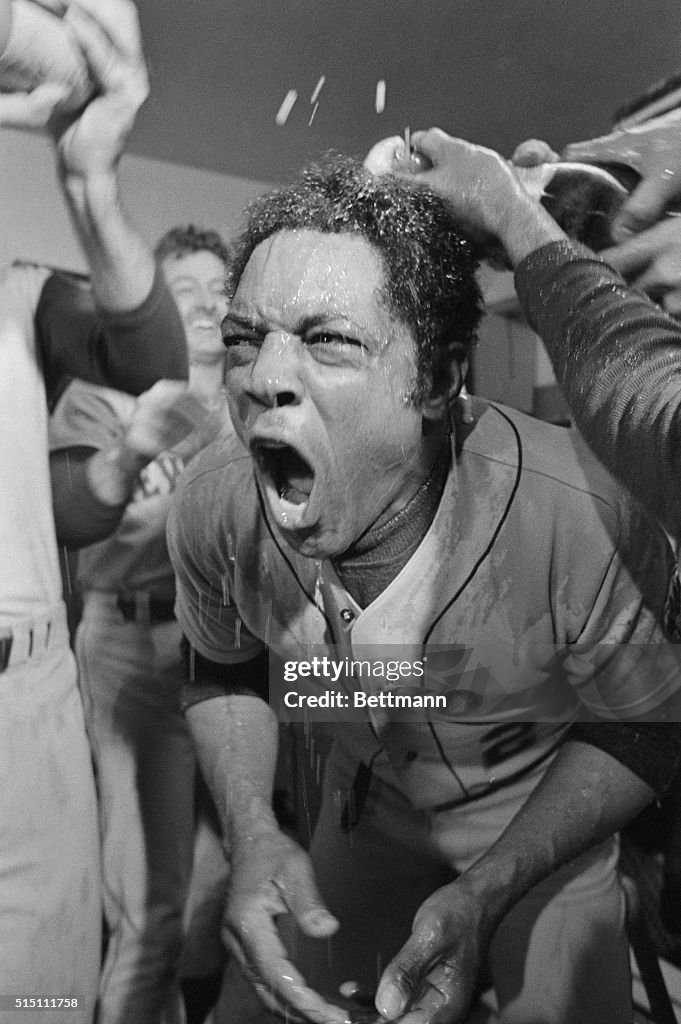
x: 373, y: 562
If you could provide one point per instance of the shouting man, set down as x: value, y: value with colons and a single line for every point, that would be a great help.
x: 351, y: 511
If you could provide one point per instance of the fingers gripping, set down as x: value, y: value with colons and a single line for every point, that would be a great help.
x: 109, y: 36
x: 402, y: 977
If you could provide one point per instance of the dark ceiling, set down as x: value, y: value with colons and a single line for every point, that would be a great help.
x: 494, y: 71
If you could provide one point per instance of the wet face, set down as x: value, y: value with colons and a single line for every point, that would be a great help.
x: 196, y: 282
x: 319, y: 376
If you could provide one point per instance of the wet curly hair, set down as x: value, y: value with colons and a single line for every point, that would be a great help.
x: 185, y: 240
x: 429, y: 266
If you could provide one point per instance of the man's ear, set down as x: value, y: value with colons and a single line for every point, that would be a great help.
x: 439, y: 403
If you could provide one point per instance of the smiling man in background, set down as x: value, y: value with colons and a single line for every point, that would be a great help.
x: 50, y: 896
x: 128, y: 649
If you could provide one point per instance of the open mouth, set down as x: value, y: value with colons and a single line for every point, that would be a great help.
x: 286, y: 470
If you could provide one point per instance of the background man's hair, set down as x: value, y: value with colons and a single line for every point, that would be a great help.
x: 429, y: 266
x: 183, y: 241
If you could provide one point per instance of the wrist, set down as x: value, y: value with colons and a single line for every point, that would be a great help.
x: 492, y: 889
x: 249, y: 821
x: 113, y: 473
x: 524, y: 226
x: 130, y: 459
x: 89, y: 186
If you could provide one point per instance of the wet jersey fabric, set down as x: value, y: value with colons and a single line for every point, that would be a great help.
x: 534, y: 572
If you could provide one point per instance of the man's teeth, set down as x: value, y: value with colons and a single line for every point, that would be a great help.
x: 291, y: 494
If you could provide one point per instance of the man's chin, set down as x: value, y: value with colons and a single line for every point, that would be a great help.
x: 309, y: 540
x: 306, y: 541
x: 301, y: 526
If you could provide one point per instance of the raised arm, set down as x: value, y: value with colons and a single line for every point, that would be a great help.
x: 126, y: 332
x: 618, y: 358
x: 92, y: 484
x: 616, y: 353
x: 89, y: 149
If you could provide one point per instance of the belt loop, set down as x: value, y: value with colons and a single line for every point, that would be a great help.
x: 143, y: 608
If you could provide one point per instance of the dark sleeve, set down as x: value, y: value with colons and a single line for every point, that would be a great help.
x: 650, y: 750
x: 80, y: 517
x: 125, y: 350
x: 204, y: 678
x: 618, y: 358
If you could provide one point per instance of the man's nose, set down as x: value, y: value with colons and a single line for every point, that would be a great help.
x: 275, y: 378
x: 209, y: 301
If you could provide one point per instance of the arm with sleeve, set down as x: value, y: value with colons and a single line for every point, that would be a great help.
x: 85, y: 420
x: 225, y: 689
x: 128, y: 349
x: 618, y: 357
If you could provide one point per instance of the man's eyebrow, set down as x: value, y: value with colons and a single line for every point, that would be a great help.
x: 247, y: 323
x: 306, y: 323
x: 318, y: 319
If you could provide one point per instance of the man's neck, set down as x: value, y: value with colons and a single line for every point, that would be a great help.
x: 377, y: 557
x: 207, y: 379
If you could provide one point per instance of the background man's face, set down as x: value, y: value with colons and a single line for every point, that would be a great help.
x: 197, y: 282
x: 319, y: 376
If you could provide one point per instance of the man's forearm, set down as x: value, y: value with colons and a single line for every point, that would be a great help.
x: 618, y: 357
x: 121, y: 263
x: 236, y: 738
x: 80, y: 517
x: 585, y: 796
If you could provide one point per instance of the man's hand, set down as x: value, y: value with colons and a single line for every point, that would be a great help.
x: 477, y: 182
x: 271, y: 875
x: 388, y: 156
x: 433, y: 977
x: 653, y: 150
x: 108, y: 34
x: 534, y: 152
x: 485, y: 193
x: 42, y: 67
x: 31, y: 108
x: 164, y: 415
x: 650, y: 260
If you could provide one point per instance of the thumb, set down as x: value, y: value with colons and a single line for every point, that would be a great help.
x: 381, y: 158
x: 533, y: 152
x: 403, y: 974
x: 646, y: 204
x: 304, y: 900
x: 31, y: 109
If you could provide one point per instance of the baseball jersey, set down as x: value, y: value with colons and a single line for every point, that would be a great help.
x: 49, y: 326
x: 28, y: 554
x: 135, y: 556
x: 535, y: 570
